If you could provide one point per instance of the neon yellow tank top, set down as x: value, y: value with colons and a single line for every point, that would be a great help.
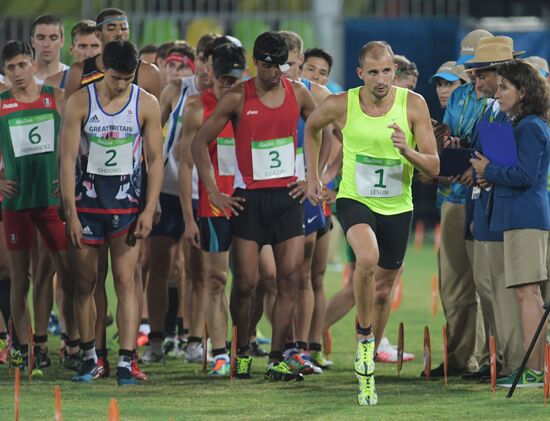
x: 374, y: 172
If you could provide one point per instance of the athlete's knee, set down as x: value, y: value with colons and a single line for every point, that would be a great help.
x: 84, y: 287
x: 317, y: 282
x: 216, y: 282
x: 244, y: 288
x: 366, y: 262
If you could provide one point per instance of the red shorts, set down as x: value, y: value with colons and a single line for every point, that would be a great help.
x: 20, y: 226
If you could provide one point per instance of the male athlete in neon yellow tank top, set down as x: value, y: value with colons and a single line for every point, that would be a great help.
x: 381, y: 126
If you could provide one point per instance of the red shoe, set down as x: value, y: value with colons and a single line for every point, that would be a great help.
x: 103, y: 368
x: 142, y: 339
x: 136, y: 372
x: 4, y: 355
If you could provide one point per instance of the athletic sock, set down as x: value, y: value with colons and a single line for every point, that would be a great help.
x: 144, y: 327
x: 275, y: 356
x: 365, y: 331
x: 171, y: 312
x: 125, y: 359
x: 301, y: 345
x: 314, y: 346
x: 88, y: 351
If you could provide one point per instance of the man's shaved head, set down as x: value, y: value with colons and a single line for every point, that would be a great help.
x: 375, y: 50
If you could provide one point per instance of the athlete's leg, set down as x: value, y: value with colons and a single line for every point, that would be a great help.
x: 342, y: 302
x: 195, y: 269
x: 245, y: 277
x: 42, y: 289
x: 100, y: 298
x: 385, y: 279
x: 216, y: 277
x: 268, y: 280
x: 305, y: 299
x: 19, y: 274
x: 288, y: 255
x: 318, y: 268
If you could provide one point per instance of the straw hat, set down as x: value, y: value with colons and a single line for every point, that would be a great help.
x: 469, y: 44
x: 450, y: 72
x: 492, y: 51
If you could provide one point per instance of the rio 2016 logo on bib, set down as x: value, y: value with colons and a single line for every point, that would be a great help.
x: 32, y: 135
x: 109, y: 156
x: 378, y: 177
x: 273, y: 158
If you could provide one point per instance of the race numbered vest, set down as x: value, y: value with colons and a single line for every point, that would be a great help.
x: 28, y: 138
x: 265, y: 140
x: 374, y: 172
x: 109, y: 167
x: 222, y: 157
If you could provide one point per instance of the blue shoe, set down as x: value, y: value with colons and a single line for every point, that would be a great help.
x: 124, y: 377
x: 88, y: 371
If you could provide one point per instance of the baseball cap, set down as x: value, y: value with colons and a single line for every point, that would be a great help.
x: 450, y: 72
x: 228, y: 60
x: 540, y: 63
x: 270, y: 47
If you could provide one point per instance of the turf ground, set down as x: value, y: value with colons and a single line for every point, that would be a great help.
x: 183, y: 392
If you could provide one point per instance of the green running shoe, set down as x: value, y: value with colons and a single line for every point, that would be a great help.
x: 18, y: 360
x: 364, y: 358
x: 222, y: 368
x: 529, y: 378
x: 367, y: 391
x: 318, y: 358
x: 279, y: 371
x: 243, y: 366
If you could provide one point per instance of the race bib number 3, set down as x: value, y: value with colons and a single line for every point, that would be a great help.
x: 110, y: 156
x: 32, y: 135
x: 226, y: 156
x: 378, y: 177
x: 273, y: 158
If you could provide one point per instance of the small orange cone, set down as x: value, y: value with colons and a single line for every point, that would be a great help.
x: 493, y: 363
x: 233, y: 359
x: 397, y: 294
x: 17, y: 381
x: 114, y: 413
x: 58, y: 416
x: 400, y: 346
x: 427, y: 354
x: 419, y: 231
x: 437, y: 236
x: 435, y: 295
x: 445, y: 356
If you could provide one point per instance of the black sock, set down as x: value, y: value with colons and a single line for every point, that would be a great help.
x: 276, y: 355
x: 179, y: 324
x: 192, y: 339
x: 301, y: 345
x: 314, y: 346
x: 243, y: 351
x: 289, y: 345
x: 171, y: 312
x: 218, y: 351
x: 365, y: 331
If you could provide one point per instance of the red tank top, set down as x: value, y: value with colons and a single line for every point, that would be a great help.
x: 222, y: 156
x: 266, y: 140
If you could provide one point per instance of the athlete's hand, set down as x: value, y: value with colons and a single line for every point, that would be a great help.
x: 192, y: 234
x: 73, y: 228
x: 314, y: 191
x: 398, y: 138
x: 9, y: 188
x: 298, y: 189
x: 144, y: 225
x: 227, y: 204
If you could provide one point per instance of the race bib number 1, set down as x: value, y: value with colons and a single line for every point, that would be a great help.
x: 378, y: 177
x: 32, y: 135
x: 110, y: 156
x: 273, y: 158
x: 226, y: 156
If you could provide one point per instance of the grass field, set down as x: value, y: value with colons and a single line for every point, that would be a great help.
x: 183, y: 392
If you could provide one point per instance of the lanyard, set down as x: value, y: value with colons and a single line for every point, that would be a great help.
x: 465, y: 127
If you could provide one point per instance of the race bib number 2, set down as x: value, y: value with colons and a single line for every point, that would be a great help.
x: 378, y: 177
x: 32, y: 135
x: 110, y: 156
x: 273, y: 158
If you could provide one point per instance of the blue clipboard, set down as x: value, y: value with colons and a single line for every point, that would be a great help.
x: 498, y: 143
x: 454, y: 161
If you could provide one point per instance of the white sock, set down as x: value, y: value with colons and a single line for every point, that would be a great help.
x: 89, y: 354
x: 124, y: 362
x: 145, y: 328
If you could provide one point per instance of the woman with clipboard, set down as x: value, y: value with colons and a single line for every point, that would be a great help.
x: 521, y: 207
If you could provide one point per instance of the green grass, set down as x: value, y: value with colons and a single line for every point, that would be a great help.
x: 182, y: 391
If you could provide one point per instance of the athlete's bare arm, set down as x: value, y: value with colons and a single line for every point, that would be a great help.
x: 59, y: 100
x: 74, y: 76
x: 149, y: 78
x: 227, y: 109
x: 319, y: 93
x: 54, y: 80
x: 75, y: 112
x: 426, y: 158
x: 333, y: 110
x: 168, y: 99
x: 192, y: 122
x: 152, y: 144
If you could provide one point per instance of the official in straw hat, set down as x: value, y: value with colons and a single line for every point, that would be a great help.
x: 492, y: 51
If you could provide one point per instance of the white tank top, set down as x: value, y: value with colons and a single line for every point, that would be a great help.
x: 173, y: 131
x: 113, y: 142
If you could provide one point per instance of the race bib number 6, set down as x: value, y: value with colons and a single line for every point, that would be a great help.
x: 110, y: 156
x: 378, y: 177
x: 273, y: 158
x: 32, y: 135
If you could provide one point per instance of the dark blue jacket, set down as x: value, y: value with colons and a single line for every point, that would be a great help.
x: 477, y: 210
x: 520, y: 198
